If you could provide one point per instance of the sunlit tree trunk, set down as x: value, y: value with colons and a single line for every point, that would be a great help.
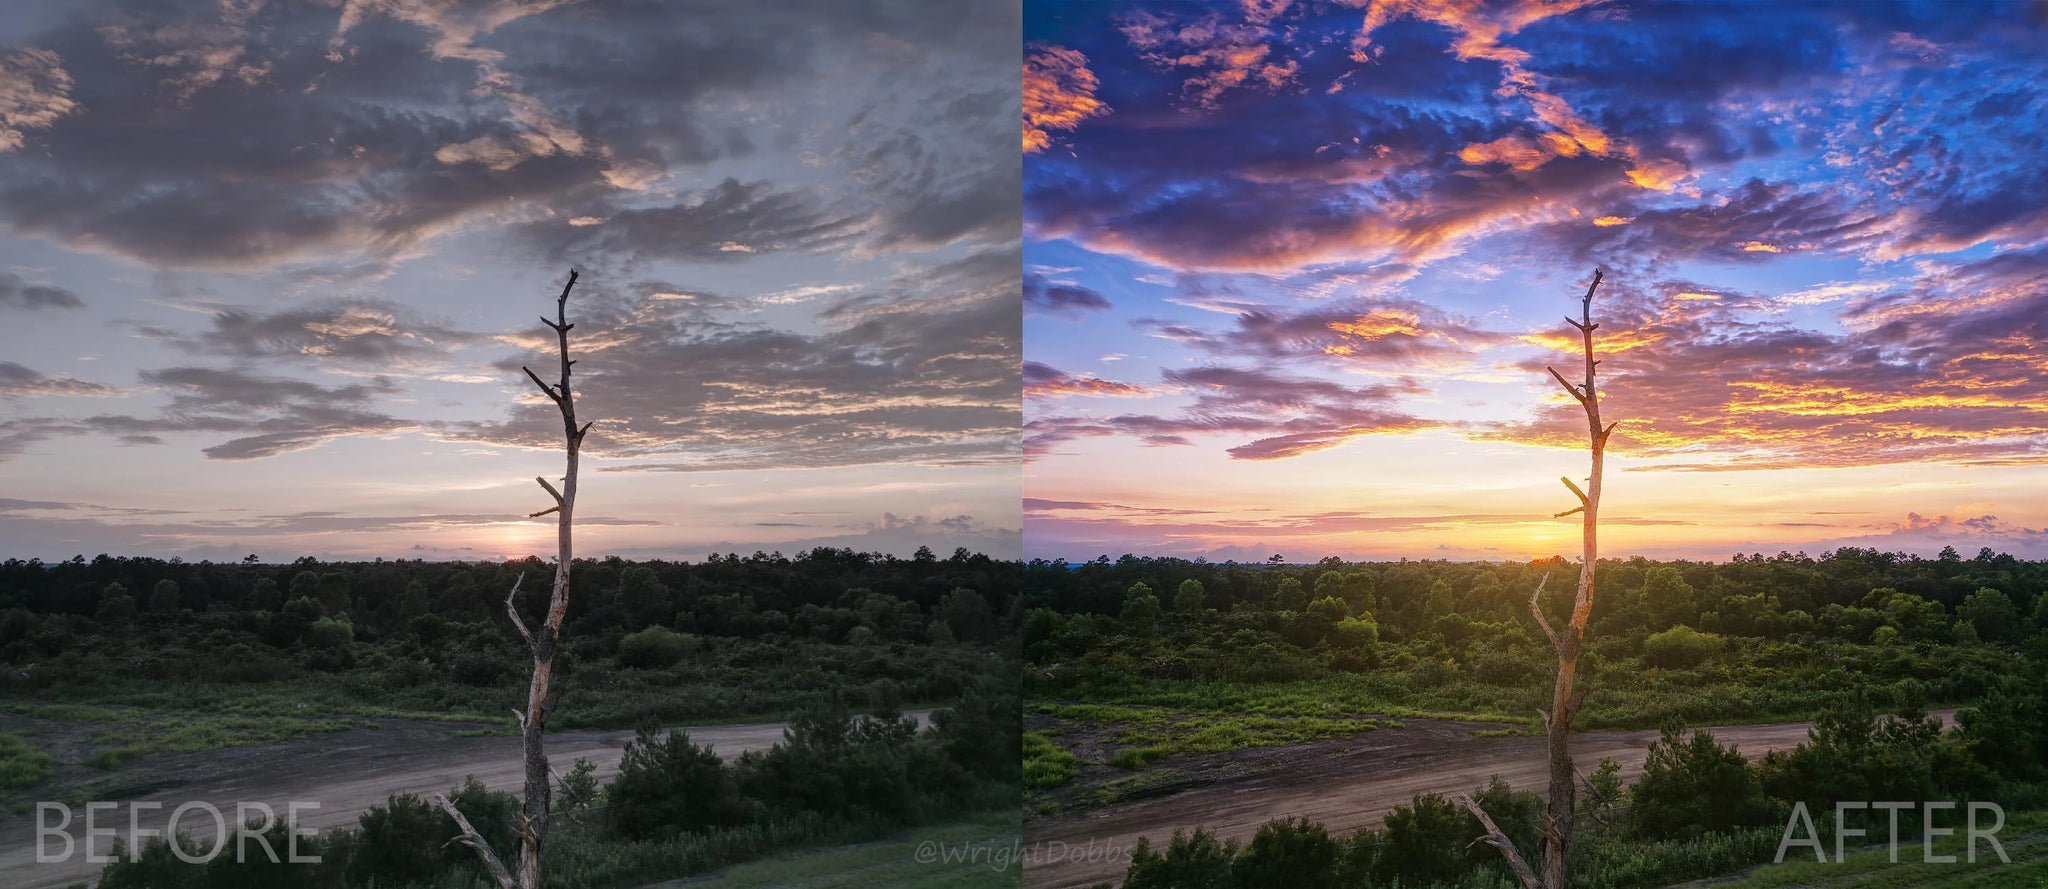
x: 1565, y: 699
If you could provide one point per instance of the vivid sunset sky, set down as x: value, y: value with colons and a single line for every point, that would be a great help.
x: 269, y: 269
x: 1293, y: 271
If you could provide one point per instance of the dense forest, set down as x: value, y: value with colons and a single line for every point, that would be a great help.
x: 724, y: 638
x: 1752, y: 637
x: 152, y: 656
x: 1122, y: 655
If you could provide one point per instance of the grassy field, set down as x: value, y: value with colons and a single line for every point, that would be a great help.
x: 2024, y: 837
x: 982, y: 850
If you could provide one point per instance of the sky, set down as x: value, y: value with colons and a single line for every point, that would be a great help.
x: 269, y: 270
x: 1293, y: 273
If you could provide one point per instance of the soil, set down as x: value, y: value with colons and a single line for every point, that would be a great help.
x: 1347, y: 783
x: 345, y: 772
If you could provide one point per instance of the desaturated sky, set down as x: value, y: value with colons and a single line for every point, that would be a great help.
x: 269, y: 270
x: 1293, y: 272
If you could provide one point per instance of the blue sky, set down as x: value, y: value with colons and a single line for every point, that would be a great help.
x: 1293, y: 272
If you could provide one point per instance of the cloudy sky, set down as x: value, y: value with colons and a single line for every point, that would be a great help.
x: 269, y: 270
x: 1293, y: 272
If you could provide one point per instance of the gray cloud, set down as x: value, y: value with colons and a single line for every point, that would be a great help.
x: 1290, y: 416
x: 356, y: 331
x: 18, y: 294
x: 1047, y: 297
x: 920, y: 369
x: 17, y: 381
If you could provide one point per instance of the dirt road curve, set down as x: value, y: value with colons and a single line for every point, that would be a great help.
x: 345, y: 773
x: 1345, y: 786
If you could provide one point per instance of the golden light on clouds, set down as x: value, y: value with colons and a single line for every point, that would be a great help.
x: 1059, y: 93
x: 1380, y: 325
x: 1606, y: 221
x: 1837, y: 401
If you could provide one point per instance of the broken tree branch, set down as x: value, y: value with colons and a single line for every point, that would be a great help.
x: 546, y: 389
x: 1537, y: 610
x: 1583, y: 501
x: 469, y: 837
x: 1568, y: 387
x: 1495, y: 838
x: 512, y: 610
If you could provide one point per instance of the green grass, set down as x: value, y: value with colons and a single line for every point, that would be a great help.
x: 1135, y: 785
x: 1045, y: 764
x: 22, y: 766
x: 1756, y: 681
x: 979, y: 853
x: 1148, y: 733
x: 2024, y: 836
x: 126, y: 731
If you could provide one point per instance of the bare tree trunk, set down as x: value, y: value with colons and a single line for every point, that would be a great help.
x: 1564, y: 699
x: 540, y: 699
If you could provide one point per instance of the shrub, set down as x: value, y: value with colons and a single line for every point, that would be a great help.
x: 1291, y: 853
x: 1681, y: 647
x: 667, y: 785
x: 328, y: 634
x: 1692, y: 785
x: 1192, y: 861
x: 475, y: 668
x: 653, y: 648
x: 834, y: 763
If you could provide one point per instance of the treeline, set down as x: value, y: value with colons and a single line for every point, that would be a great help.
x: 675, y: 808
x: 1755, y: 595
x: 1752, y: 638
x: 730, y: 636
x: 723, y: 595
x: 1700, y: 809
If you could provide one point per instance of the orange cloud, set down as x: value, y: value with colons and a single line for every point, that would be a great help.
x: 1059, y: 93
x: 1380, y: 324
x: 1044, y: 381
x: 1481, y: 26
x: 1229, y: 55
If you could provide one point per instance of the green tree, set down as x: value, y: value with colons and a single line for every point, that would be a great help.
x: 1190, y: 597
x: 1289, y: 596
x: 967, y: 612
x: 642, y: 596
x: 116, y: 609
x: 1993, y: 613
x: 1359, y: 591
x: 1667, y: 599
x: 334, y: 593
x: 163, y: 598
x: 1330, y: 584
x: 264, y: 595
x: 1141, y: 610
x: 1328, y: 609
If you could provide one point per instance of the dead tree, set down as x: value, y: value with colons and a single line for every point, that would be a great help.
x: 540, y: 698
x: 1564, y: 699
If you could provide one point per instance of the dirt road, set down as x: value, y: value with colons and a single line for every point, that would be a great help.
x: 1346, y: 784
x: 344, y: 773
